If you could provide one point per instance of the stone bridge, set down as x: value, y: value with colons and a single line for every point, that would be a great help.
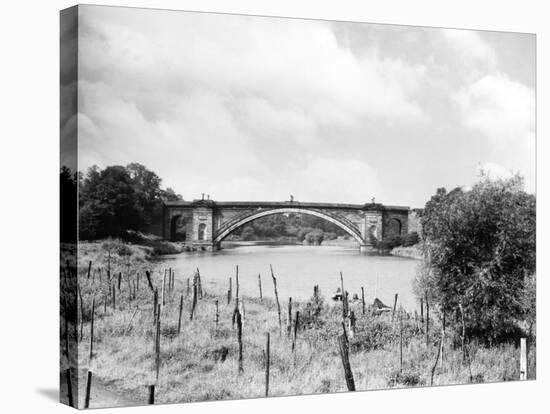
x: 205, y: 223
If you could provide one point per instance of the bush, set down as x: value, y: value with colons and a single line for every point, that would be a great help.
x: 330, y: 236
x: 479, y: 248
x: 314, y: 238
x: 389, y: 243
x: 405, y: 378
x: 311, y: 318
x: 248, y: 233
x: 411, y: 239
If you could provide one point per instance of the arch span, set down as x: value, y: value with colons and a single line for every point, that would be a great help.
x: 226, y: 231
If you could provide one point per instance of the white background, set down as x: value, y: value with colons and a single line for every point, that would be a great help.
x: 29, y: 99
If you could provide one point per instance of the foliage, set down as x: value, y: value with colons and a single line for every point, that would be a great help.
x: 314, y: 237
x: 68, y: 199
x: 479, y: 246
x: 411, y: 239
x: 117, y: 199
x: 312, y: 317
x: 290, y: 225
x: 248, y: 233
x: 388, y: 243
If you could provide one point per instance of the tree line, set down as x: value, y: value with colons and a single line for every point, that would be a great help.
x: 117, y: 199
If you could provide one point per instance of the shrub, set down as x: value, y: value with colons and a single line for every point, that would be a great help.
x: 248, y: 233
x: 315, y: 237
x: 411, y: 239
x: 405, y: 378
x: 389, y: 243
x: 479, y: 246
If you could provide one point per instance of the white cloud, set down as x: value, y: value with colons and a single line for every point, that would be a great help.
x: 345, y: 180
x: 494, y: 171
x: 251, y: 108
x: 469, y: 46
x: 503, y: 111
x: 499, y: 107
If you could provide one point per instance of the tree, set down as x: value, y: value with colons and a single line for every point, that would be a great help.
x: 479, y: 250
x: 147, y: 190
x: 248, y: 233
x: 109, y: 204
x: 117, y: 199
x: 68, y: 205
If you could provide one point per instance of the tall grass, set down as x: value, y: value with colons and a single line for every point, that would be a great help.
x: 201, y: 363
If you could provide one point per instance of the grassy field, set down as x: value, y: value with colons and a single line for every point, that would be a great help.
x: 201, y: 363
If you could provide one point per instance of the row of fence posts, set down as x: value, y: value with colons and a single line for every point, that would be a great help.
x: 238, y: 316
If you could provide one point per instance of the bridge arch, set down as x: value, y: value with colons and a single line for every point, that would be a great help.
x: 348, y: 228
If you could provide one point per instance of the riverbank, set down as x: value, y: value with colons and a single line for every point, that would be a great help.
x: 412, y: 252
x: 201, y: 361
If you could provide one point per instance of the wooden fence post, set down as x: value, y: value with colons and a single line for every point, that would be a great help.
x: 427, y: 320
x: 88, y: 390
x: 422, y: 310
x: 443, y: 320
x: 401, y: 340
x: 296, y: 322
x: 119, y: 280
x: 151, y: 394
x: 523, y: 359
x: 195, y: 293
x: 157, y: 347
x: 394, y: 306
x: 363, y: 299
x: 267, y: 362
x: 188, y: 289
x: 237, y: 282
x: 92, y: 329
x: 171, y: 279
x: 114, y: 298
x: 149, y: 281
x: 240, y: 340
x: 164, y: 289
x: 289, y: 320
x: 155, y: 303
x: 66, y: 319
x: 69, y: 387
x: 81, y: 309
x: 260, y: 286
x: 465, y: 353
x: 344, y: 297
x: 345, y: 362
x: 230, y: 291
x: 351, y: 324
x: 179, y: 317
x: 436, y: 360
x: 89, y: 268
x: 276, y: 298
x: 217, y: 314
x: 109, y: 264
x: 199, y: 279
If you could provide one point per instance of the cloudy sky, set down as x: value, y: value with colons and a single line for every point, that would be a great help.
x: 253, y: 108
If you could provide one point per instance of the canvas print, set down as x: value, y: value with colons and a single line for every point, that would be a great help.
x: 262, y: 206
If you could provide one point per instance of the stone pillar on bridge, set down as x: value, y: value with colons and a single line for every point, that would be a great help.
x: 204, y: 227
x: 371, y: 228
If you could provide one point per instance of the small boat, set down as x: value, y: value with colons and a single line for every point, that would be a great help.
x: 337, y: 296
x: 379, y: 307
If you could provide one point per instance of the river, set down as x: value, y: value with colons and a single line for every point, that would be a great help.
x: 298, y: 268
